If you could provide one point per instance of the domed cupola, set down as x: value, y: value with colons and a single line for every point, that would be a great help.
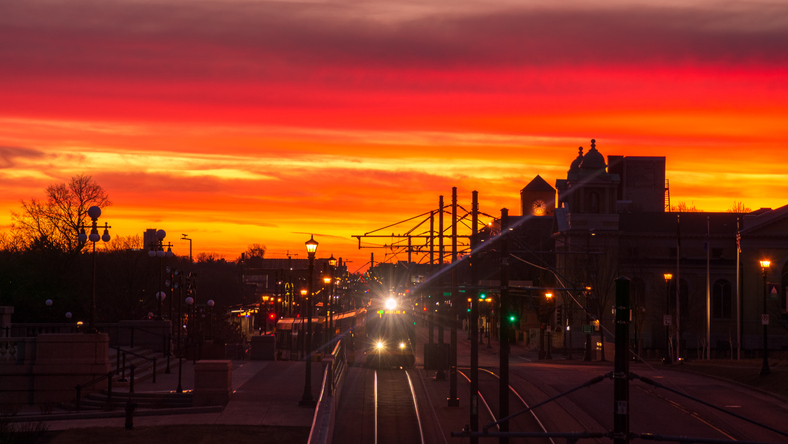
x: 593, y: 159
x: 575, y: 167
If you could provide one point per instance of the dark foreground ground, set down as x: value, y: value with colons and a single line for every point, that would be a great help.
x: 173, y: 434
x: 745, y: 371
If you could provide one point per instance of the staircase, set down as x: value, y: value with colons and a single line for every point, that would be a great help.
x: 142, y: 359
x: 101, y: 401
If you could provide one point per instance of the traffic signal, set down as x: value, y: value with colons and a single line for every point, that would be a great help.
x: 559, y: 315
x: 512, y: 318
x: 482, y: 296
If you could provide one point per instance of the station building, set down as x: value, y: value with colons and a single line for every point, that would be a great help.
x: 613, y: 218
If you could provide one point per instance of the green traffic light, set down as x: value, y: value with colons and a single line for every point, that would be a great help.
x: 482, y: 296
x: 512, y: 318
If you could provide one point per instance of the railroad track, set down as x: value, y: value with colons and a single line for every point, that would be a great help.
x: 489, y: 394
x: 381, y: 407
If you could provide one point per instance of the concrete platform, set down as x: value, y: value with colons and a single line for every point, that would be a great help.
x: 264, y: 393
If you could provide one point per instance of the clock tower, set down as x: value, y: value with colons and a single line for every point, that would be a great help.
x: 537, y: 198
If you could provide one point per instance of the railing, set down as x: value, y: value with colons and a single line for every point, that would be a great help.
x: 123, y: 368
x: 322, y: 423
x: 17, y: 350
x: 28, y: 330
x: 119, y: 334
x: 108, y: 377
x: 336, y: 367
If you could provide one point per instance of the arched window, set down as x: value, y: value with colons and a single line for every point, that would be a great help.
x: 593, y: 202
x: 721, y: 300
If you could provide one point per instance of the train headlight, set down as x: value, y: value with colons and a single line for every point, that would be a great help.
x: 379, y: 345
x: 391, y: 304
x: 401, y: 345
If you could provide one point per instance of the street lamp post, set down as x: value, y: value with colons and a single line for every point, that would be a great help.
x: 302, y: 309
x: 667, y: 359
x: 94, y: 212
x: 192, y: 326
x: 210, y: 318
x: 765, y: 319
x: 171, y: 285
x: 549, y: 354
x: 326, y: 300
x: 190, y: 247
x: 180, y: 332
x: 587, y: 356
x: 332, y: 263
x: 159, y: 251
x: 307, y: 400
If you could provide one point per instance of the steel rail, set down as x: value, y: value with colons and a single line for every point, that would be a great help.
x: 415, y: 406
x: 544, y: 429
x: 484, y: 401
x: 375, y: 397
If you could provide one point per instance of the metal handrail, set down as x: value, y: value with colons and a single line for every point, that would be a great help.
x: 108, y: 377
x: 123, y: 376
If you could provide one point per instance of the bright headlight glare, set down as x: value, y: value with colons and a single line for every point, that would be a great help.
x: 379, y: 345
x: 391, y: 304
x: 401, y: 345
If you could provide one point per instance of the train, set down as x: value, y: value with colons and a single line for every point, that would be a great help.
x: 382, y: 335
x: 291, y: 332
x: 391, y: 336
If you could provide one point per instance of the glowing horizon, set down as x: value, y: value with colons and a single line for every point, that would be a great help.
x: 243, y: 122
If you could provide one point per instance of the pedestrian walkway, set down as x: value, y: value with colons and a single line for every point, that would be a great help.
x: 264, y: 393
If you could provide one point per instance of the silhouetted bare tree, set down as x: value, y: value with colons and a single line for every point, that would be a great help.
x: 54, y: 224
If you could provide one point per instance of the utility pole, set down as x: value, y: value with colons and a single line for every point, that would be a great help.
x: 621, y: 364
x: 441, y: 374
x: 504, y: 311
x: 430, y: 301
x: 453, y: 400
x: 474, y: 322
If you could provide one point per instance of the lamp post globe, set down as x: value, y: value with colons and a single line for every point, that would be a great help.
x: 94, y: 212
x: 68, y: 315
x: 49, y: 302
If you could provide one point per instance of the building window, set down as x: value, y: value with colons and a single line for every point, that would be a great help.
x: 593, y: 202
x: 721, y: 300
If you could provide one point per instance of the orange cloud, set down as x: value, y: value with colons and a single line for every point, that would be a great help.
x: 240, y: 122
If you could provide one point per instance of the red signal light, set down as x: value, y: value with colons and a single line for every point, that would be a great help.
x: 271, y: 315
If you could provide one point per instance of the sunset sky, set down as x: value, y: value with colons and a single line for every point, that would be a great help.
x: 241, y: 122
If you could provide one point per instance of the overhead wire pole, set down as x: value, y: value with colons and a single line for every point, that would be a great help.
x: 431, y: 314
x: 504, y: 311
x: 453, y: 400
x: 440, y: 375
x: 474, y: 324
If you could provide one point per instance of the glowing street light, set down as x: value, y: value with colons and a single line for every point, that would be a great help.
x: 667, y: 359
x: 765, y: 263
x: 306, y: 399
